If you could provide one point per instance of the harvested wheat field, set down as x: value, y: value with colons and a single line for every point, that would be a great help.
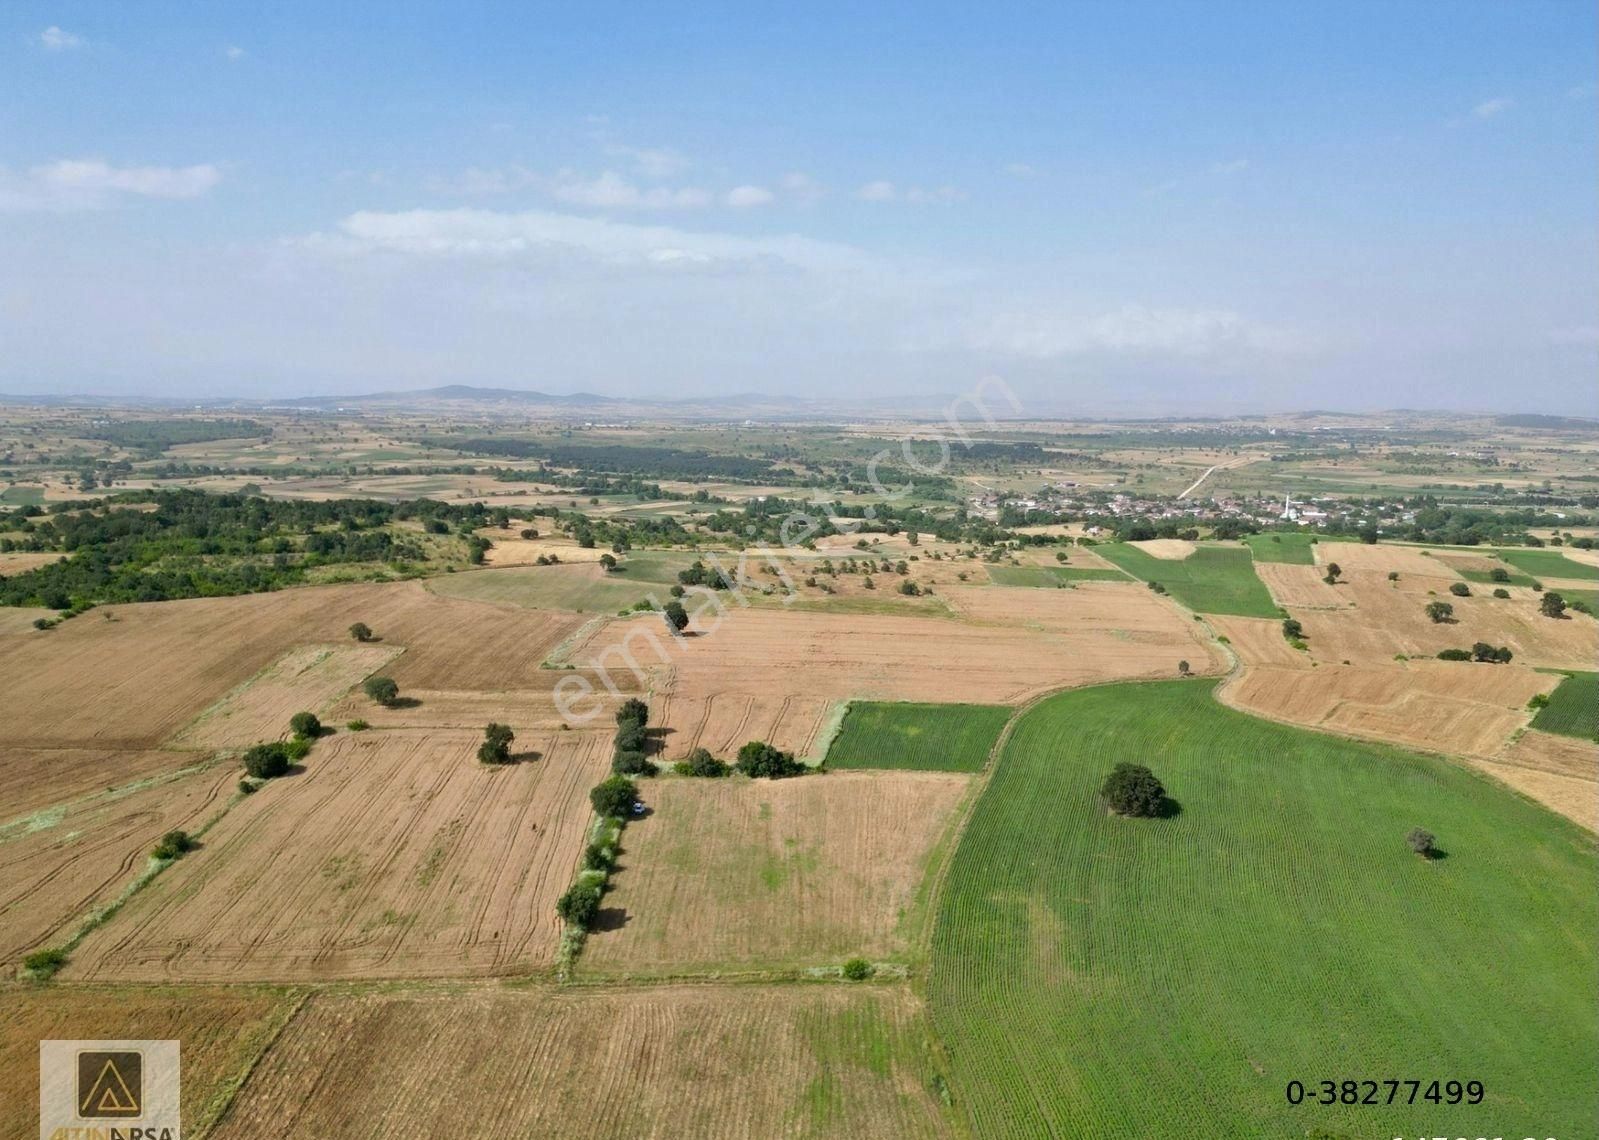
x: 223, y: 1031
x: 392, y: 854
x: 1458, y: 708
x: 128, y: 677
x: 18, y: 561
x: 1560, y: 772
x: 770, y: 874
x: 35, y: 778
x: 1381, y: 556
x: 645, y: 1064
x: 1170, y: 549
x: 1367, y: 620
x: 1259, y: 641
x: 65, y: 862
x: 739, y: 671
x: 310, y: 678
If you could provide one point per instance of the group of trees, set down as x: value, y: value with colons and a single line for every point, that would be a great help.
x: 1481, y: 651
x: 631, y: 755
x: 701, y: 763
x: 758, y: 758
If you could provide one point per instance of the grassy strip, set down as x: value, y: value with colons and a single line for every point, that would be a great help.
x: 1211, y: 580
x: 1052, y: 576
x: 1549, y: 564
x: 605, y: 840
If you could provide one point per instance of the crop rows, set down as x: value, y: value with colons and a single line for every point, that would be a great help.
x: 929, y: 737
x: 1211, y: 580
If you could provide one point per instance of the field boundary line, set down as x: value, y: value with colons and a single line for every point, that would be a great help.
x: 236, y: 1085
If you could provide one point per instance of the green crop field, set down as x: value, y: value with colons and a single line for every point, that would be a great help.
x: 933, y: 738
x: 1296, y: 548
x: 1550, y: 564
x: 1212, y: 580
x: 1052, y: 575
x: 1573, y: 708
x: 1099, y: 976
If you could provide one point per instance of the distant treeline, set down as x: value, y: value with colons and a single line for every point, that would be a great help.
x: 193, y: 544
x: 623, y: 459
x: 158, y: 435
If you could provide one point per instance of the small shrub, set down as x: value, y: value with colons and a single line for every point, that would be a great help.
x: 1133, y: 790
x: 700, y: 762
x: 246, y: 787
x: 305, y: 724
x: 1460, y: 589
x: 1454, y: 655
x: 598, y: 857
x: 1422, y: 842
x: 297, y: 749
x: 760, y: 759
x: 1538, y: 701
x: 857, y: 969
x: 361, y: 631
x: 43, y: 964
x: 1393, y: 575
x: 174, y: 845
x: 357, y: 725
x: 1501, y: 592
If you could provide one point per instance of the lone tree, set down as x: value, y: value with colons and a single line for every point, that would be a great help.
x: 1499, y: 574
x: 305, y: 724
x: 608, y: 561
x: 614, y: 796
x: 1552, y: 605
x: 1422, y: 842
x: 1333, y: 571
x: 1132, y: 789
x: 361, y: 631
x: 1440, y: 612
x: 1292, y: 630
x: 383, y: 690
x: 1182, y: 669
x: 173, y: 845
x: 580, y: 903
x: 676, y: 616
x: 496, y: 746
x: 1460, y: 589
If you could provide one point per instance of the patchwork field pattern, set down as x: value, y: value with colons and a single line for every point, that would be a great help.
x: 1066, y: 984
x: 912, y: 736
x: 35, y: 778
x: 716, y: 1063
x: 1573, y: 708
x: 392, y: 854
x: 768, y: 874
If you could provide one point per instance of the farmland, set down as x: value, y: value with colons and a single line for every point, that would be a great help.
x: 1051, y: 575
x: 720, y: 1063
x: 1573, y: 708
x: 761, y: 875
x: 1211, y: 580
x: 1297, y: 549
x: 905, y: 735
x: 1550, y: 564
x: 1263, y: 933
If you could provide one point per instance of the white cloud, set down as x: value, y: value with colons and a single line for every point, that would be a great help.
x: 535, y: 234
x: 1488, y: 108
x: 743, y: 197
x: 802, y: 188
x: 1131, y: 330
x: 1019, y: 170
x: 655, y: 163
x: 234, y: 52
x: 58, y: 39
x: 610, y: 191
x: 88, y: 184
x: 1231, y: 166
x: 885, y: 191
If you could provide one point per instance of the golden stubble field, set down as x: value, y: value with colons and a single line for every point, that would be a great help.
x: 771, y: 874
x: 655, y: 1063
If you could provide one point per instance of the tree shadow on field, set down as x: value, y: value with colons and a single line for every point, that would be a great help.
x: 528, y: 757
x: 609, y: 918
x: 403, y: 703
x: 1435, y: 855
x: 655, y: 740
x: 1169, y: 809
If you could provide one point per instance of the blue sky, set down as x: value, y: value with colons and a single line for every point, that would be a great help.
x: 1113, y: 206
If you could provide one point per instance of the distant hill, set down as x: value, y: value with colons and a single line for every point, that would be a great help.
x: 1548, y: 423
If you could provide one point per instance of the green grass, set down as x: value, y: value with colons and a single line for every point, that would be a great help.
x: 932, y: 738
x: 1212, y: 580
x: 1485, y: 577
x: 1589, y: 598
x: 1573, y: 708
x: 1052, y: 575
x: 1298, y: 549
x: 1099, y: 976
x: 1549, y: 564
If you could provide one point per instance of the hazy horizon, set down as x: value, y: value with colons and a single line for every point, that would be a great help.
x: 1160, y: 207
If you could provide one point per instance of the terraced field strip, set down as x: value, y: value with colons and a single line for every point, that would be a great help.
x: 926, y: 737
x: 666, y: 1063
x: 1298, y: 549
x: 1573, y: 708
x: 1051, y: 575
x: 1211, y: 580
x: 1115, y: 978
